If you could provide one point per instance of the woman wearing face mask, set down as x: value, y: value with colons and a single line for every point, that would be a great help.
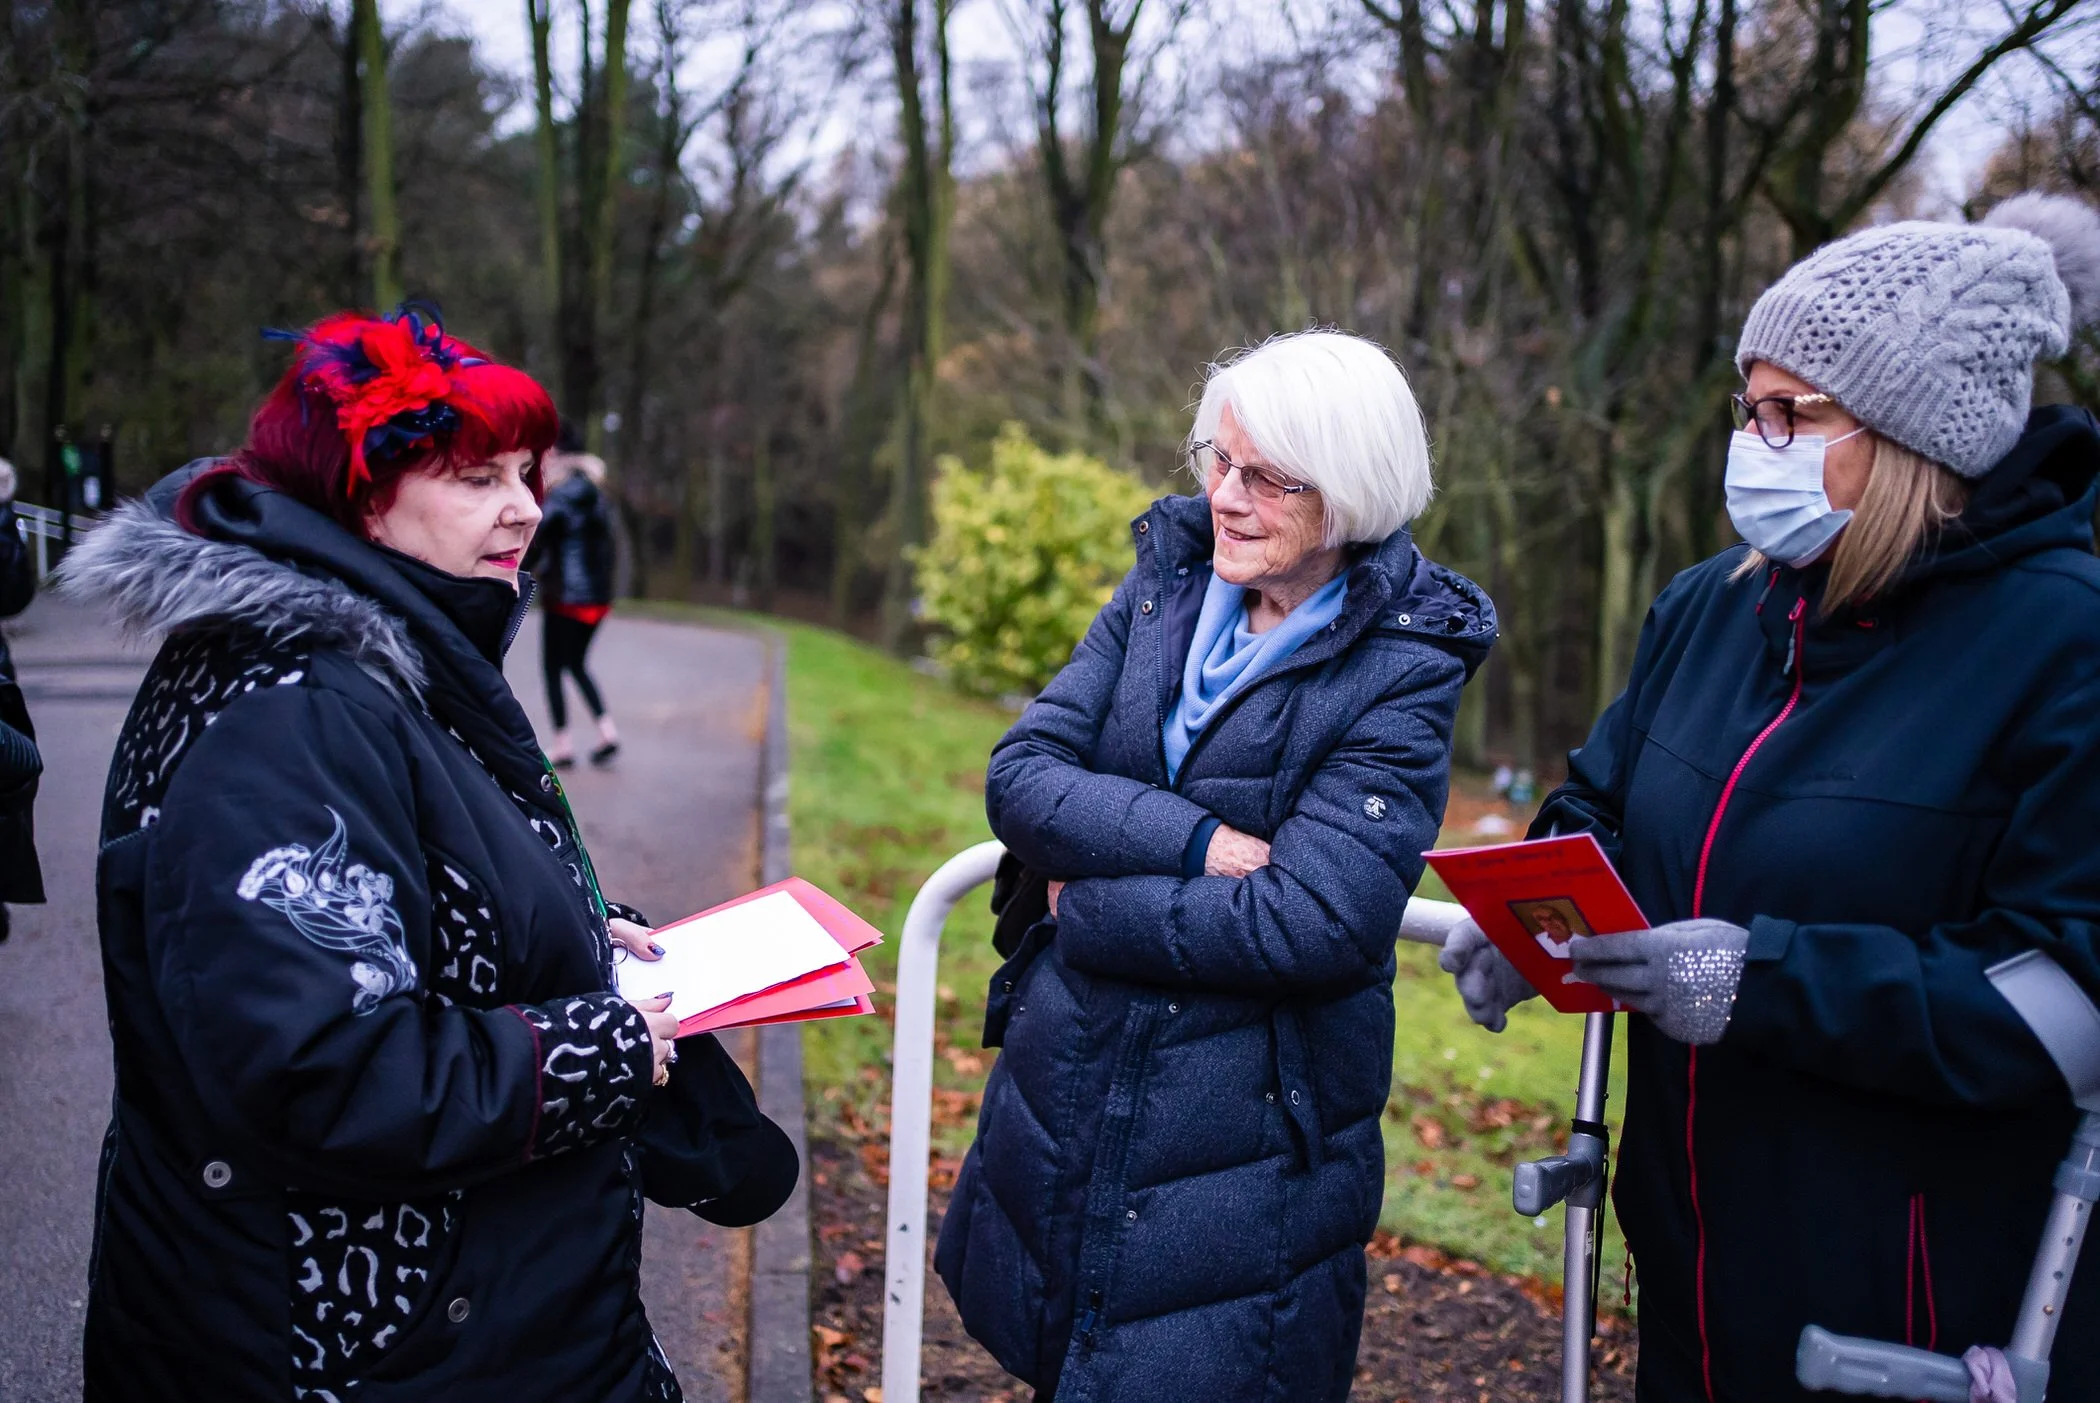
x: 382, y: 1124
x: 1856, y: 764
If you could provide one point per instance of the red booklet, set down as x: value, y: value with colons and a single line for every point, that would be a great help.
x: 781, y: 954
x: 1530, y: 898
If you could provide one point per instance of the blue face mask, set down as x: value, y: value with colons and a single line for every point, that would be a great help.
x: 1776, y: 499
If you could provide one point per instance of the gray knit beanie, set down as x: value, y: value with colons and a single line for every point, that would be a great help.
x: 1928, y: 333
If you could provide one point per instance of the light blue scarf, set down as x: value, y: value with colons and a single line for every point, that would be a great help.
x: 1225, y: 657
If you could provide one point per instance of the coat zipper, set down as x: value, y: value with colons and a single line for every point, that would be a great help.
x: 1795, y: 616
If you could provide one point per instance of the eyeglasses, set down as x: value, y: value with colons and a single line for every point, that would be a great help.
x: 1773, y: 415
x: 1263, y: 484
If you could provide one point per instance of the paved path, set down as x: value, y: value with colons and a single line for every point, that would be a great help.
x: 672, y: 827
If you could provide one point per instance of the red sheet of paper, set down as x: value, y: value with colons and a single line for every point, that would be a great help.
x: 792, y: 999
x: 1529, y: 897
x: 811, y: 996
x: 863, y: 1004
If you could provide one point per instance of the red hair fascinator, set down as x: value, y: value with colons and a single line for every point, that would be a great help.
x: 389, y: 378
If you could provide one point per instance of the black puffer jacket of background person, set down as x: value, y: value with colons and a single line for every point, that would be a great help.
x: 21, y: 877
x: 1178, y: 1160
x: 572, y: 553
x: 1916, y: 796
x: 376, y: 1105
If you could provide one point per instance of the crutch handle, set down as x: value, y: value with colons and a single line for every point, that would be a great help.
x: 1847, y: 1364
x: 1540, y: 1183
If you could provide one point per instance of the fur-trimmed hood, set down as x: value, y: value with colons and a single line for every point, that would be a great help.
x: 151, y: 578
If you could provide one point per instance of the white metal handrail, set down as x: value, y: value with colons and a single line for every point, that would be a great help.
x: 911, y: 1096
x: 39, y: 526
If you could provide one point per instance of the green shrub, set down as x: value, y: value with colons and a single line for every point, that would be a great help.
x: 1024, y: 554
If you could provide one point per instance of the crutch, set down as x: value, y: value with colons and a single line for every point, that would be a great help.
x: 2068, y: 1025
x: 1577, y: 1179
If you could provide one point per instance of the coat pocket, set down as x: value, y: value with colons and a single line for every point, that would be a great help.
x: 1007, y: 980
x: 1294, y: 1083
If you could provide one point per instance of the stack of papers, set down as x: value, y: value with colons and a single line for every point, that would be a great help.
x: 782, y: 954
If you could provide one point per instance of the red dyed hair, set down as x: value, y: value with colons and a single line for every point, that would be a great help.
x: 368, y: 400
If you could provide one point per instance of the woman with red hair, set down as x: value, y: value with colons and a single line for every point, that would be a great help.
x: 383, y: 1124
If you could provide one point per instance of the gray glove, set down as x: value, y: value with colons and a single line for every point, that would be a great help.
x: 1487, y: 982
x: 1682, y: 975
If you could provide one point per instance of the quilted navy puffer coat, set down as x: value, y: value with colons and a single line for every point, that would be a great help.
x: 1178, y: 1161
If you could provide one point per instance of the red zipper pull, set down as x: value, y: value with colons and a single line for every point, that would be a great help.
x: 1766, y: 592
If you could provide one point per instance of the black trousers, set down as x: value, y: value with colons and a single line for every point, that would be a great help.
x: 563, y: 642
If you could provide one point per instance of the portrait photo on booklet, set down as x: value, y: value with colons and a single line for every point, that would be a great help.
x: 1532, y: 898
x: 1551, y: 920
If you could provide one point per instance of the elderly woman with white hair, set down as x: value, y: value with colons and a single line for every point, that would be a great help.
x: 1223, y: 800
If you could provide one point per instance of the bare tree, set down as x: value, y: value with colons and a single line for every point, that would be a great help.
x: 376, y: 108
x: 925, y: 198
x: 1080, y: 172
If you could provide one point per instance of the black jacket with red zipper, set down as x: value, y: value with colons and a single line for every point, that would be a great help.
x: 1891, y: 798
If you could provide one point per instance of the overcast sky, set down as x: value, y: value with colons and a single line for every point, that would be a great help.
x: 1923, y: 42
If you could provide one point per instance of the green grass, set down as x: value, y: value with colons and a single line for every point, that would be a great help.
x: 887, y: 782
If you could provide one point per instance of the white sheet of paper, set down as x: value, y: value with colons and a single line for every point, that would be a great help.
x: 712, y: 960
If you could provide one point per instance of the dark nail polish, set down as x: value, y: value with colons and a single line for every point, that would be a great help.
x: 656, y: 949
x: 667, y: 993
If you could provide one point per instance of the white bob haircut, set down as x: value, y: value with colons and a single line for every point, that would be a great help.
x: 1333, y: 411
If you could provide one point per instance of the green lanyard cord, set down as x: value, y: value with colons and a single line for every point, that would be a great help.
x: 590, y: 873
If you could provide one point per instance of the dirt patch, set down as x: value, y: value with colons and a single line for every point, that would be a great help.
x: 1435, y: 1328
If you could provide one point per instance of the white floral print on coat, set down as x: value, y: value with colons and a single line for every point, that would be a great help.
x: 339, y: 905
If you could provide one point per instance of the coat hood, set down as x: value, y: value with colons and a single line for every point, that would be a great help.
x: 152, y: 578
x: 261, y: 560
x: 1392, y: 586
x: 2040, y: 496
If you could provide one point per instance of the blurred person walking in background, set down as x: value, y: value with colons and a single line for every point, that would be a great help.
x: 1224, y: 797
x: 375, y: 1085
x: 21, y: 877
x: 1857, y: 764
x: 572, y: 563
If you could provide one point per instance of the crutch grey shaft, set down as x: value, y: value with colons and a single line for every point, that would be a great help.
x: 1576, y: 1178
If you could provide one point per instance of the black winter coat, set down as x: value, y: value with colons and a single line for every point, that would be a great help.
x: 572, y: 553
x: 21, y: 877
x: 1892, y: 799
x: 1178, y: 1160
x: 377, y: 1107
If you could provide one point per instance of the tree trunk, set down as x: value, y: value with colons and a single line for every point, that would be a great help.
x: 34, y: 318
x: 75, y: 362
x: 577, y: 315
x: 869, y: 406
x: 717, y: 505
x: 927, y: 199
x: 385, y: 231
x: 350, y: 170
x: 539, y: 19
x: 612, y: 128
x: 601, y: 119
x: 764, y: 525
x: 1618, y: 520
x: 1080, y: 201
